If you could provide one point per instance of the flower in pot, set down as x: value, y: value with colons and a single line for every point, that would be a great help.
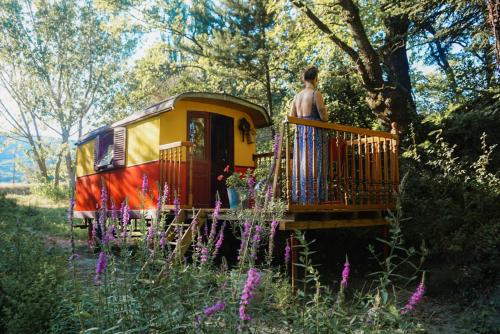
x: 236, y: 190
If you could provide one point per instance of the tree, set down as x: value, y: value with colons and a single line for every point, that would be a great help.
x: 71, y: 55
x: 494, y: 17
x: 226, y: 39
x: 381, y: 62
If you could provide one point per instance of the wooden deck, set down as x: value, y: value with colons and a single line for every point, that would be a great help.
x: 361, y: 178
x: 361, y: 168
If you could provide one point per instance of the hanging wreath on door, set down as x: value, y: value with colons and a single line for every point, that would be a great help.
x: 246, y: 130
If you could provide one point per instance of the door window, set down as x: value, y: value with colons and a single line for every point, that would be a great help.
x: 197, y: 136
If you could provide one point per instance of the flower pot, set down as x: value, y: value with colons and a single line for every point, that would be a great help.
x: 234, y: 198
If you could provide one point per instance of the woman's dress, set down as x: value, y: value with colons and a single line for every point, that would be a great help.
x: 312, y: 181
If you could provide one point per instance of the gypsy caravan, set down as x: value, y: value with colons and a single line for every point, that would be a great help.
x: 188, y: 140
x: 185, y: 141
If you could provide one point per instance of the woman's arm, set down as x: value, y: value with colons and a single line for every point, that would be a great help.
x: 320, y: 103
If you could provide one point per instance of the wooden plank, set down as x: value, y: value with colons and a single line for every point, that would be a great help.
x: 330, y: 224
x: 175, y: 144
x: 337, y: 207
x: 338, y: 127
x: 277, y: 164
x: 190, y: 158
x: 187, y: 238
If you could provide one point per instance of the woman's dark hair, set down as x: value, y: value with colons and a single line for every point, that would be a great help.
x: 310, y: 73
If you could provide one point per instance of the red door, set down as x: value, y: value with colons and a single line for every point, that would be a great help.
x: 199, y: 134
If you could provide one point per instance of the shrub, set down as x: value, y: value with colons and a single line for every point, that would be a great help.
x: 454, y: 205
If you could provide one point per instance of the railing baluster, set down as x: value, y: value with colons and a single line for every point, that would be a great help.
x: 367, y: 169
x: 179, y: 183
x: 345, y: 169
x: 288, y: 162
x: 361, y: 182
x: 306, y: 160
x: 353, y: 171
x: 314, y: 173
x: 297, y: 164
x: 386, y: 173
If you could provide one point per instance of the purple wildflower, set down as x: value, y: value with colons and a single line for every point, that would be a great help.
x: 256, y: 241
x: 345, y: 273
x: 114, y: 213
x: 102, y: 262
x: 159, y: 203
x: 213, y: 231
x: 219, y: 306
x: 220, y: 240
x: 151, y: 233
x: 244, y: 238
x: 145, y: 184
x: 269, y: 193
x: 104, y: 197
x: 272, y: 233
x: 163, y: 240
x: 166, y: 193
x: 177, y: 206
x: 110, y: 235
x: 125, y: 219
x: 287, y: 253
x: 247, y: 294
x: 414, y: 299
x: 276, y: 145
x: 216, y: 212
x: 204, y: 254
x: 251, y: 186
x: 102, y: 220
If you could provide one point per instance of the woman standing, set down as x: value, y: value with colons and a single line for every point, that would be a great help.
x: 311, y: 142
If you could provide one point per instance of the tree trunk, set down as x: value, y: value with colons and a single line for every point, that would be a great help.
x: 494, y: 17
x: 391, y: 100
x: 57, y: 171
x: 394, y: 102
x: 69, y: 161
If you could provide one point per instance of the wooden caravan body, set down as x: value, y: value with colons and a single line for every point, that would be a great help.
x: 185, y: 140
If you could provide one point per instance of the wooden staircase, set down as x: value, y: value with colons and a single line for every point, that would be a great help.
x: 180, y: 245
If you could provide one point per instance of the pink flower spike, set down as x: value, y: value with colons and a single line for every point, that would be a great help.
x: 287, y: 253
x: 415, y: 298
x: 253, y: 280
x: 345, y: 273
x: 217, y: 307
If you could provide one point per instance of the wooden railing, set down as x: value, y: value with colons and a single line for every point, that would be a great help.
x: 350, y: 168
x: 176, y: 169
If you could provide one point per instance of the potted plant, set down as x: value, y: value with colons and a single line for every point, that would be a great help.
x: 236, y: 190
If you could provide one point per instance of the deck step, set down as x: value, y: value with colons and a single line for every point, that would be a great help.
x: 181, y: 245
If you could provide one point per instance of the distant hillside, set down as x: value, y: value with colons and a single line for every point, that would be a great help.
x: 10, y: 154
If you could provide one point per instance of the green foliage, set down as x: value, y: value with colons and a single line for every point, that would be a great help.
x: 50, y: 191
x: 32, y: 279
x: 462, y: 228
